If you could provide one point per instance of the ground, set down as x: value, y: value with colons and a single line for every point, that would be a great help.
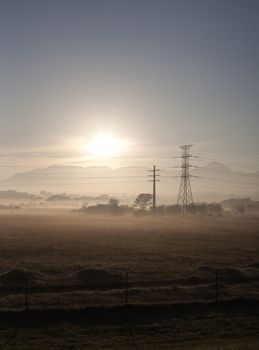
x: 76, y: 262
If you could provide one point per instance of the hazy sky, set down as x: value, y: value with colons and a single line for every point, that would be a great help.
x: 159, y: 73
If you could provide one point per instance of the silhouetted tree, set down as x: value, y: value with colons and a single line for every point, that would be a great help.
x: 240, y: 209
x: 215, y: 209
x: 113, y: 202
x: 143, y: 200
x: 173, y: 209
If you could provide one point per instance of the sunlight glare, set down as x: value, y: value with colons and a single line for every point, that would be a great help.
x: 105, y: 146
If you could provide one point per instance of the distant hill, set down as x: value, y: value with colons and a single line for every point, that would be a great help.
x: 222, y: 182
x: 216, y: 166
x: 214, y: 182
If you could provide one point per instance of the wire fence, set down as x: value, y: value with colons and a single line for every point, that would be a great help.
x: 26, y: 296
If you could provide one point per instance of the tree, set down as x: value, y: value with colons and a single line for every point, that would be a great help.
x: 113, y: 202
x: 173, y: 209
x: 240, y: 209
x: 143, y: 200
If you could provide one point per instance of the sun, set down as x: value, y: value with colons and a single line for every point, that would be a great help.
x: 105, y: 146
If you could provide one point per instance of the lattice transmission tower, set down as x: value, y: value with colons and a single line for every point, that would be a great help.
x: 185, y: 197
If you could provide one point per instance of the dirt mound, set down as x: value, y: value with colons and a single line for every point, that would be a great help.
x: 17, y: 278
x: 254, y: 265
x: 207, y: 269
x: 95, y: 276
x: 233, y: 275
x: 229, y: 274
x: 192, y: 280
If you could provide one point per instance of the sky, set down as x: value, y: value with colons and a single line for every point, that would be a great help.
x: 154, y: 73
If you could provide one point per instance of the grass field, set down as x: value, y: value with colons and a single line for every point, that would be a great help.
x: 168, y: 260
x: 231, y: 326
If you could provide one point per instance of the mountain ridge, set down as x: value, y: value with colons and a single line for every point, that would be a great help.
x: 215, y: 181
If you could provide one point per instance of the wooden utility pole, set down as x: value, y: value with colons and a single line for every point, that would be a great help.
x: 154, y: 181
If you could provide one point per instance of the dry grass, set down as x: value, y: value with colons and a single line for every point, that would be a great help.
x: 168, y: 260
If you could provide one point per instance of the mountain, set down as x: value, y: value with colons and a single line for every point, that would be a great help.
x: 91, y: 181
x: 222, y: 182
x: 213, y: 182
x: 216, y: 166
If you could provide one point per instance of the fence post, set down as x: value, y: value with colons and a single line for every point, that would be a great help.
x: 126, y: 289
x: 216, y: 286
x: 26, y: 294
